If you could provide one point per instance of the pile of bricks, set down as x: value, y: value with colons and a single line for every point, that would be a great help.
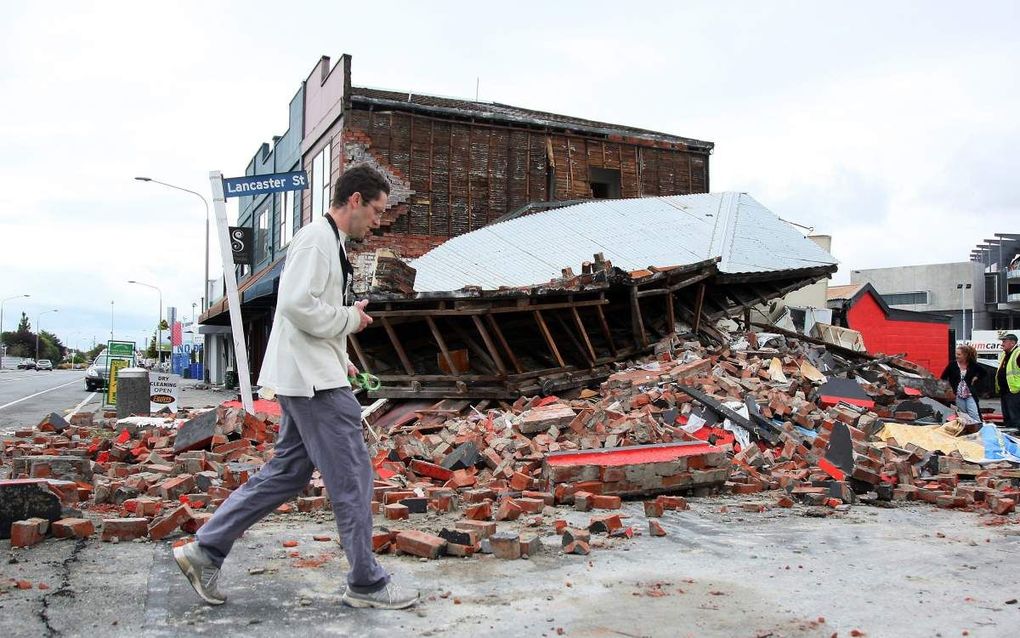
x: 691, y: 421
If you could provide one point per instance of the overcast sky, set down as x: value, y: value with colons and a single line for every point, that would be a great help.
x: 892, y: 126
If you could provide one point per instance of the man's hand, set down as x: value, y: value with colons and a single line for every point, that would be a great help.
x: 352, y: 370
x: 365, y: 320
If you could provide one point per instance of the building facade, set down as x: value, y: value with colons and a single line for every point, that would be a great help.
x: 999, y: 259
x: 454, y: 166
x: 949, y: 289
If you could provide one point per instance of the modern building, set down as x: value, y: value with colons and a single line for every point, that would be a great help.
x: 949, y: 289
x: 455, y: 166
x: 1000, y: 260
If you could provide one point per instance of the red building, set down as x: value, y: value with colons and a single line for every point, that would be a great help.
x: 922, y: 336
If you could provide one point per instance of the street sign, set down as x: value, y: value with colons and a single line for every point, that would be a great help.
x: 121, y: 349
x: 119, y: 355
x: 263, y: 184
x: 164, y: 390
x: 242, y: 242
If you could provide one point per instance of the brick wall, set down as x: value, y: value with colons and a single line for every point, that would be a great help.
x: 454, y: 177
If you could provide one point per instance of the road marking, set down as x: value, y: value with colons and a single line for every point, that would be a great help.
x: 78, y: 407
x: 32, y: 396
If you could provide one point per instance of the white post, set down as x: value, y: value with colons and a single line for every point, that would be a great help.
x: 233, y: 301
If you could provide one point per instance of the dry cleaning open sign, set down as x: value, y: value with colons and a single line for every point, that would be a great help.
x: 164, y: 389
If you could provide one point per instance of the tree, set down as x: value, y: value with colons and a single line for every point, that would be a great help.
x: 150, y: 352
x: 24, y: 325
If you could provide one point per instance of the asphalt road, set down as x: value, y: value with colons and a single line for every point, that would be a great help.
x: 26, y: 396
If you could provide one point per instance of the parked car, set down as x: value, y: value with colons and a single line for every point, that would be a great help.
x: 97, y: 375
x: 44, y: 364
x: 27, y: 364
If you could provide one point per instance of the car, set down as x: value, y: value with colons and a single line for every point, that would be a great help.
x: 27, y: 364
x: 44, y: 364
x: 97, y: 374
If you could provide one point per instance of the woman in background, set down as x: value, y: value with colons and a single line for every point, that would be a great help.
x: 967, y: 377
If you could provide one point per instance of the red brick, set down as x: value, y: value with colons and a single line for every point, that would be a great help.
x: 655, y: 529
x: 28, y: 532
x: 395, y: 512
x: 381, y: 540
x: 506, y: 545
x: 583, y: 501
x: 653, y: 508
x: 169, y: 522
x: 547, y: 497
x: 484, y: 529
x: 195, y: 523
x: 172, y: 488
x: 520, y: 482
x: 1003, y: 505
x: 431, y: 470
x: 125, y: 529
x: 480, y: 512
x: 531, y: 505
x: 672, y: 502
x: 605, y: 524
x: 397, y: 496
x: 508, y: 510
x: 531, y: 545
x: 73, y: 528
x: 311, y: 503
x: 420, y: 544
x: 600, y: 502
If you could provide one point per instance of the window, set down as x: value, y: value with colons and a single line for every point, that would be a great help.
x: 321, y: 169
x: 262, y: 234
x: 604, y: 182
x: 287, y: 219
x: 906, y: 298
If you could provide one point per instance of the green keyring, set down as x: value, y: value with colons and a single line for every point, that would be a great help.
x: 365, y: 381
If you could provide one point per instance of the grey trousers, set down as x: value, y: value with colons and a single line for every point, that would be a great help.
x: 322, y: 431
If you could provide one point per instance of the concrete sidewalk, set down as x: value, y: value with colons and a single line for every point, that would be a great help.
x: 912, y: 570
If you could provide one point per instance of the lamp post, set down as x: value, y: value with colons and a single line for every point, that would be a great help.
x: 2, y: 302
x: 38, y: 329
x: 111, y: 320
x: 159, y: 323
x: 205, y: 282
x: 963, y: 287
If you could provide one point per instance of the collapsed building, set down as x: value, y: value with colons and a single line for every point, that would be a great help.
x: 553, y: 299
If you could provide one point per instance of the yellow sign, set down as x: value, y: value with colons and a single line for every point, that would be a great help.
x: 116, y: 365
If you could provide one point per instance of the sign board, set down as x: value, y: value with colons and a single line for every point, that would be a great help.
x: 119, y: 355
x: 121, y: 349
x: 116, y: 365
x: 264, y: 184
x: 242, y: 243
x: 164, y: 391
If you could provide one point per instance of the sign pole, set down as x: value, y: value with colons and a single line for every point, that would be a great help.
x: 233, y: 301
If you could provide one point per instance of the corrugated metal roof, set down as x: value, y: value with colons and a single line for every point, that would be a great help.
x: 632, y: 233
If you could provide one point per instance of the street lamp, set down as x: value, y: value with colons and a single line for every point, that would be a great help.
x: 159, y: 324
x: 38, y: 329
x: 205, y: 283
x: 963, y: 307
x: 2, y: 302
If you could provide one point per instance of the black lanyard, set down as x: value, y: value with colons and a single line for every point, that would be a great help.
x: 345, y: 263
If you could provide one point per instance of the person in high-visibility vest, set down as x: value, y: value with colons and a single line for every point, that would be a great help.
x: 1007, y: 382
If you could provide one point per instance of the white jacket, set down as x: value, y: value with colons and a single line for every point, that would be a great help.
x: 307, y: 349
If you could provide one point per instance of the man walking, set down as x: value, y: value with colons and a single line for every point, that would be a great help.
x: 306, y: 365
x: 1007, y: 382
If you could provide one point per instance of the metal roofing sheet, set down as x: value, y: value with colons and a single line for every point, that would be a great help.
x: 632, y: 233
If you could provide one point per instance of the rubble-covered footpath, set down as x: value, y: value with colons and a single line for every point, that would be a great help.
x: 764, y: 413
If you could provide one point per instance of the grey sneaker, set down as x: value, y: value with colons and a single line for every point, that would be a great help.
x: 389, y: 597
x: 201, y: 572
